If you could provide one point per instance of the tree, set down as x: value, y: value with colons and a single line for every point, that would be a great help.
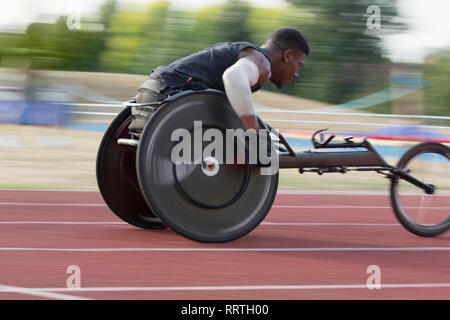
x: 130, y: 36
x: 345, y: 54
x: 437, y: 94
x: 54, y: 46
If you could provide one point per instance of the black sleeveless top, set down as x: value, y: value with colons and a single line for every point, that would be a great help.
x: 205, y: 68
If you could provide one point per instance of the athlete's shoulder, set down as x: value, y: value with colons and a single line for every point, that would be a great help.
x: 260, y: 59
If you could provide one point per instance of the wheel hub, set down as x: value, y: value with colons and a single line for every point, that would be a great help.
x: 210, y: 166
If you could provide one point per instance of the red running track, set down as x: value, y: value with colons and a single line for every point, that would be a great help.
x: 310, y: 246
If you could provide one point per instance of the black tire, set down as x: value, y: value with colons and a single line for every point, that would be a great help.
x: 412, y: 209
x: 116, y: 176
x: 217, y: 208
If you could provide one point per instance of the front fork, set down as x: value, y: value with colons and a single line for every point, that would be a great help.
x: 397, y: 173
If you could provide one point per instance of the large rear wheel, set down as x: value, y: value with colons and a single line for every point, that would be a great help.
x: 208, y: 201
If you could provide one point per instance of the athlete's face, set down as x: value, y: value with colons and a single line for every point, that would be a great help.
x: 290, y: 63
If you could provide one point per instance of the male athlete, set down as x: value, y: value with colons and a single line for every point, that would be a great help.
x: 238, y: 68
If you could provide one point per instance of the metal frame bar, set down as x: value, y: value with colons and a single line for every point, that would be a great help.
x: 312, y: 159
x: 329, y: 162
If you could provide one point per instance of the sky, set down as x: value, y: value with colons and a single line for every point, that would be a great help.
x: 429, y: 29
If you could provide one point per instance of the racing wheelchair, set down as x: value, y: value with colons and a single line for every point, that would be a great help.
x: 208, y: 201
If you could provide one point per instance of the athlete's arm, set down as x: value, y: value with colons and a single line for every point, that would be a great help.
x: 251, y: 69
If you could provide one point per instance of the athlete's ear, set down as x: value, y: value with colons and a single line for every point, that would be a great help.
x: 287, y: 55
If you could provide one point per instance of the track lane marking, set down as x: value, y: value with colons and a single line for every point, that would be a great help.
x: 274, y: 206
x: 350, y: 207
x: 317, y: 249
x: 238, y: 288
x: 338, y: 224
x: 288, y: 192
x: 53, y: 204
x: 65, y: 222
x: 41, y: 293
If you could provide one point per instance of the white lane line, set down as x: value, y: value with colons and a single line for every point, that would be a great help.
x: 241, y: 288
x: 288, y: 192
x: 352, y: 193
x: 65, y: 222
x: 49, y: 190
x: 274, y: 206
x: 349, y: 193
x: 40, y: 293
x: 337, y: 224
x: 280, y: 191
x: 53, y: 204
x: 263, y: 223
x: 318, y: 249
x: 353, y: 207
x: 328, y: 207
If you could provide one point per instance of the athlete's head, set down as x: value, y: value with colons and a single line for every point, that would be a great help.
x: 288, y: 49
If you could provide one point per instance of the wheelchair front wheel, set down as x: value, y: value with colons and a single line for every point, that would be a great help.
x: 420, y: 213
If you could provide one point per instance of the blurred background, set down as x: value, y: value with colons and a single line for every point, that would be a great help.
x: 376, y: 68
